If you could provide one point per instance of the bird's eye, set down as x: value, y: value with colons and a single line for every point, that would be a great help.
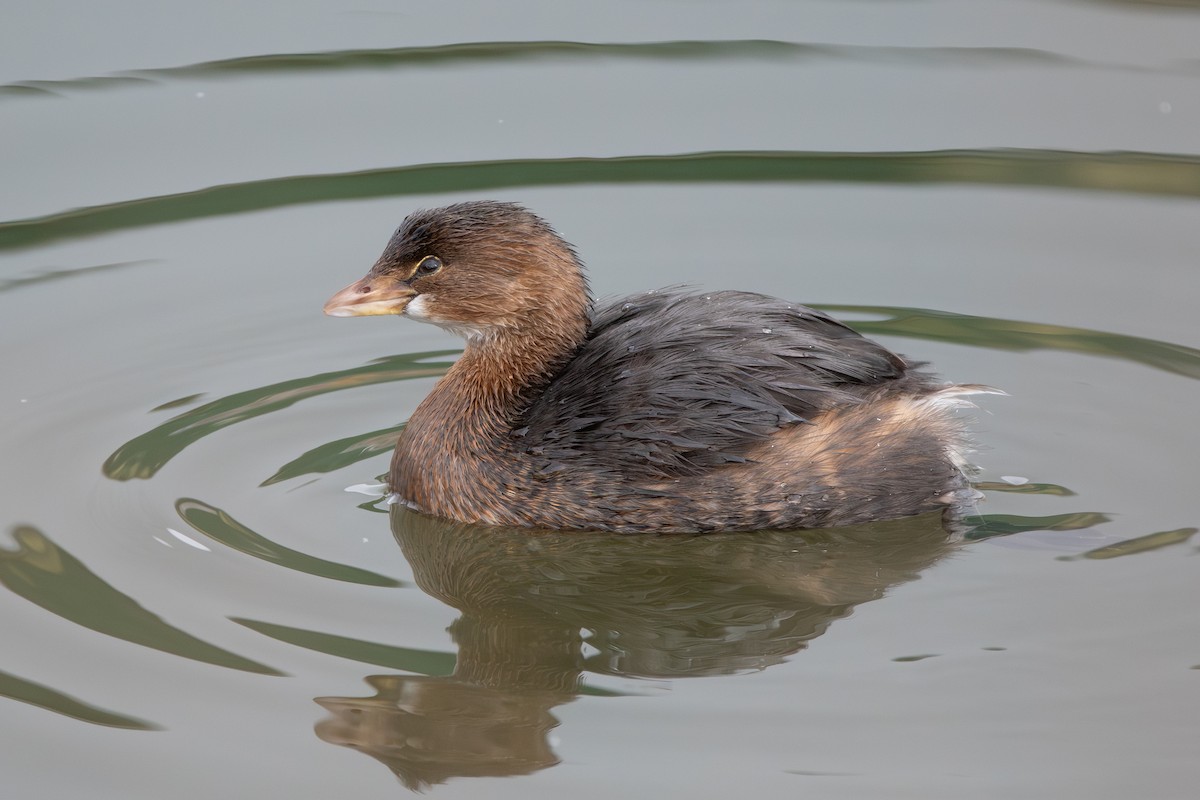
x: 429, y: 265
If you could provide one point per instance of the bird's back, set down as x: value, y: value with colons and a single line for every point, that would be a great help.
x: 672, y: 384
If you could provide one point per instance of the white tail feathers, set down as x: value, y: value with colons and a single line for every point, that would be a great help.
x: 949, y: 398
x: 955, y: 395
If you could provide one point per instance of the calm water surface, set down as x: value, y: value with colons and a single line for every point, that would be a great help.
x: 193, y: 605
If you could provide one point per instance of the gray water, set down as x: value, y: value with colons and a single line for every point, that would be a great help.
x: 1006, y: 189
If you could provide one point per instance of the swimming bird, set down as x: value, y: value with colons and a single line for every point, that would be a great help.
x: 673, y: 410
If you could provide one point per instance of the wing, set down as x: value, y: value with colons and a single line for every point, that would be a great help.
x: 672, y: 383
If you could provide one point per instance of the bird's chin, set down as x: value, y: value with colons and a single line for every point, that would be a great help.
x: 418, y: 309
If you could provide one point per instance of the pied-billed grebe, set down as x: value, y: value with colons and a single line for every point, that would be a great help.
x: 664, y: 411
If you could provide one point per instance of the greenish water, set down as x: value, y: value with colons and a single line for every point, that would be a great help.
x: 194, y: 605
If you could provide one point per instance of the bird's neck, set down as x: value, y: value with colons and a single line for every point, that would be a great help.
x: 495, y: 380
x: 465, y: 426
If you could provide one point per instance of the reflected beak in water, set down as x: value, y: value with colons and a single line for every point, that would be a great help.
x: 372, y: 296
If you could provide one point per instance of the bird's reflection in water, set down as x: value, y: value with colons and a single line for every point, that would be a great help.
x: 668, y: 606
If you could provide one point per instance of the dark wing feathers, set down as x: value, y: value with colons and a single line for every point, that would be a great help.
x: 671, y: 383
